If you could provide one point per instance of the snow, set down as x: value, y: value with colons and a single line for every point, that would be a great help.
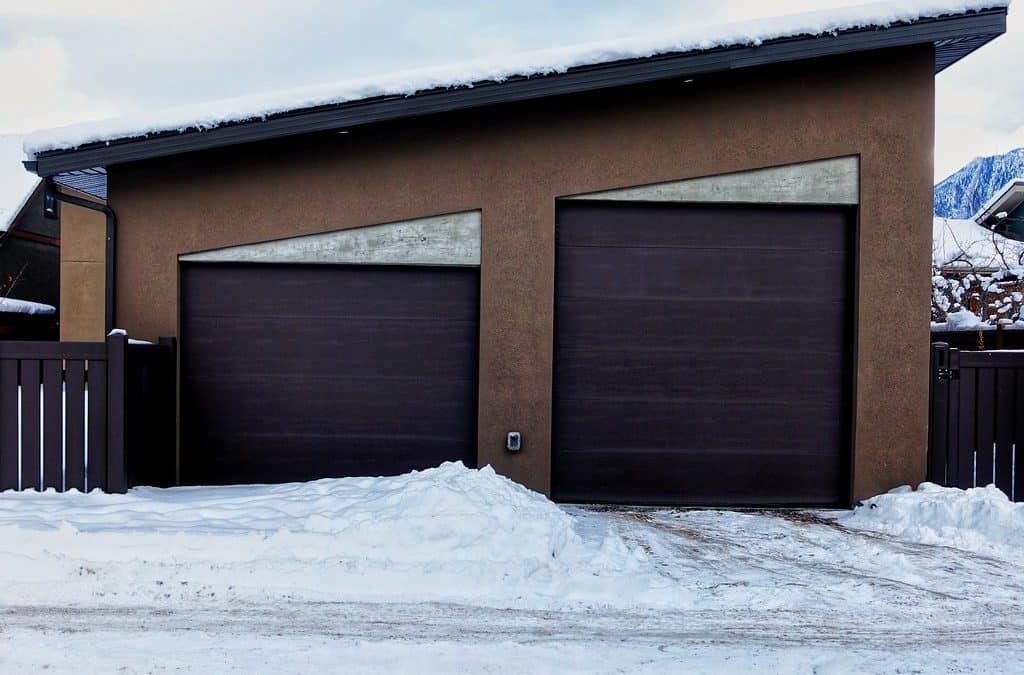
x: 445, y: 534
x: 967, y: 244
x: 679, y: 39
x: 459, y: 570
x: 981, y: 520
x: 16, y: 184
x: 15, y: 306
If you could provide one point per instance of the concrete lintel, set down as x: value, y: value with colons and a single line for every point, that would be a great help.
x: 451, y: 239
x: 828, y: 181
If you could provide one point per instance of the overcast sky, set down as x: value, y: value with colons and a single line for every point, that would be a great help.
x: 67, y: 61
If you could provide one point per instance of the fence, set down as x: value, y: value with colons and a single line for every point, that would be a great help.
x: 68, y: 414
x: 976, y: 430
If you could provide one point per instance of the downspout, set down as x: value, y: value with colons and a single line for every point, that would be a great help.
x: 110, y: 264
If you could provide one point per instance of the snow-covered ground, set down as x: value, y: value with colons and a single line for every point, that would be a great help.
x: 452, y: 570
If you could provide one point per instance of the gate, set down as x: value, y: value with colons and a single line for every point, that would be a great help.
x: 85, y: 415
x: 976, y: 426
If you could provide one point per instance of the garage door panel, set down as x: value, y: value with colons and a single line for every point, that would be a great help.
x: 702, y: 354
x: 698, y: 274
x: 713, y: 325
x: 725, y: 226
x: 332, y: 291
x: 292, y: 457
x: 788, y: 375
x: 299, y: 372
x: 687, y: 424
x: 336, y: 404
x: 385, y: 346
x: 654, y: 477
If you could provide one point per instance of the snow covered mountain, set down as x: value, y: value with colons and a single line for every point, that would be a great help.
x: 963, y: 193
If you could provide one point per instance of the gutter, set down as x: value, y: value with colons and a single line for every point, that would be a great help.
x: 110, y: 263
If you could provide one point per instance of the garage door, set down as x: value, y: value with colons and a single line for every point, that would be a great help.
x: 298, y: 372
x: 702, y: 354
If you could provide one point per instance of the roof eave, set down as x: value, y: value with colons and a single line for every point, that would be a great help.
x: 954, y: 36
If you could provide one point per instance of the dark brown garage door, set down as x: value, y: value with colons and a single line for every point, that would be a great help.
x: 298, y: 372
x: 702, y: 354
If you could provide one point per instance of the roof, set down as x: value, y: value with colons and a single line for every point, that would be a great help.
x: 954, y: 27
x: 16, y: 184
x: 1005, y: 200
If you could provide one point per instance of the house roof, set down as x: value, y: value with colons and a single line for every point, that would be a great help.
x: 1005, y: 200
x: 954, y: 27
x: 16, y: 184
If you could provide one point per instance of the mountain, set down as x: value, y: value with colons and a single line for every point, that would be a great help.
x: 963, y: 193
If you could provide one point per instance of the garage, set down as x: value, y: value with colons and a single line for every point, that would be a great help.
x: 702, y: 353
x: 294, y: 372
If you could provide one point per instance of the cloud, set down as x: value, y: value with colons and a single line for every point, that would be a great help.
x: 38, y: 90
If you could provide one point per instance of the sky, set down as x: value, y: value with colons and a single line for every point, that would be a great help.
x: 69, y: 61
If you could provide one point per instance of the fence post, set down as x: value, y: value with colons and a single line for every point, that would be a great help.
x: 170, y: 405
x: 117, y: 344
x: 938, y: 414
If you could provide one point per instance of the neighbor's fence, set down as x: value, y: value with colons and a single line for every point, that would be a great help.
x: 86, y: 415
x: 976, y: 430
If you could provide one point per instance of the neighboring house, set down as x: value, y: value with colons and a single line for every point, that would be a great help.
x: 29, y: 251
x: 978, y: 267
x: 1004, y: 212
x: 587, y: 268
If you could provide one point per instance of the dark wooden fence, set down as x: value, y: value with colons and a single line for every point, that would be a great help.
x: 976, y: 430
x: 86, y: 415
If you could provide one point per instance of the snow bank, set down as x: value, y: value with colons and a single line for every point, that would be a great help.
x: 982, y: 520
x: 16, y: 184
x: 15, y: 306
x: 689, y: 38
x: 445, y: 534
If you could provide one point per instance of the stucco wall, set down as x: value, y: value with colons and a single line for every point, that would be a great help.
x: 513, y: 163
x: 82, y: 272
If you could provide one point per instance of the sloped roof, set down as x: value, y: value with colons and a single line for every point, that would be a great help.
x: 1005, y: 199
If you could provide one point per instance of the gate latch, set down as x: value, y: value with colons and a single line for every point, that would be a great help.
x: 947, y: 374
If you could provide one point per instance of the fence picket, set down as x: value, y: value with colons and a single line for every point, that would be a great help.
x: 96, y: 466
x: 1006, y: 400
x: 964, y: 477
x: 30, y: 424
x: 74, y: 433
x: 984, y: 437
x: 53, y: 423
x: 8, y: 424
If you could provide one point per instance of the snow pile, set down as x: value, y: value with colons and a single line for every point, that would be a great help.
x: 444, y: 534
x: 16, y: 184
x: 981, y: 520
x: 15, y: 306
x: 686, y: 39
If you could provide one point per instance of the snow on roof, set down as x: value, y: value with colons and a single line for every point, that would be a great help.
x: 16, y: 306
x: 964, y: 243
x: 16, y: 184
x: 685, y: 39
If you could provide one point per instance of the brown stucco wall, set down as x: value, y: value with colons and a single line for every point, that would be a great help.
x: 82, y: 272
x: 513, y: 163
